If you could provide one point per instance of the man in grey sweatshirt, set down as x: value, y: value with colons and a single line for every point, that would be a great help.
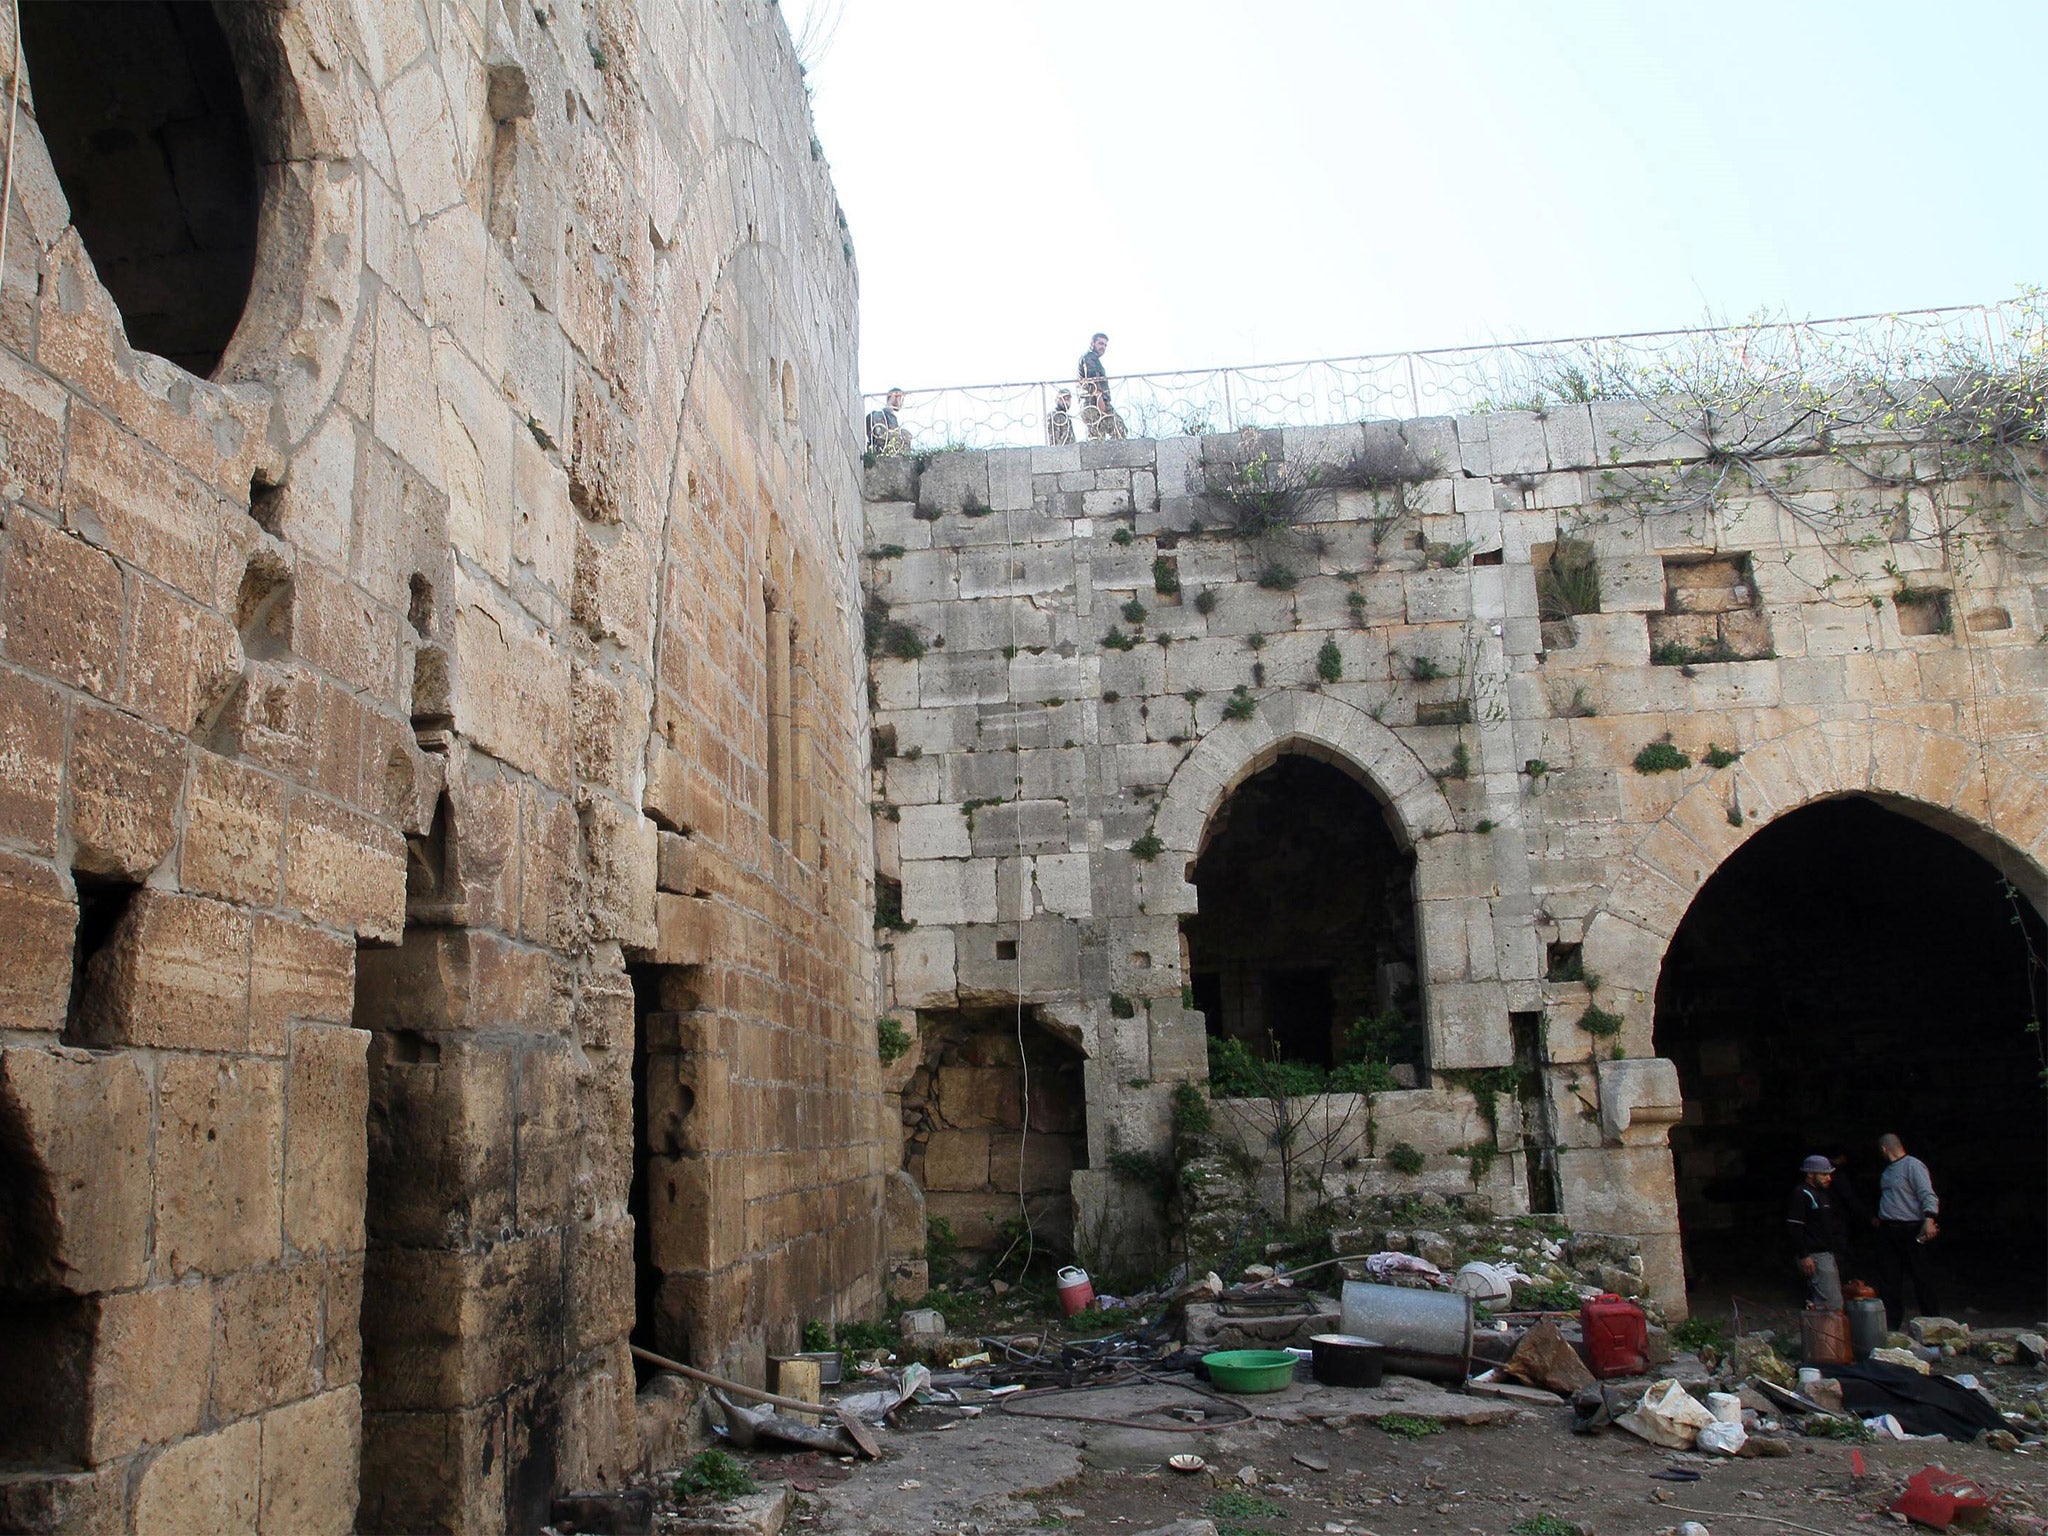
x: 1906, y: 1208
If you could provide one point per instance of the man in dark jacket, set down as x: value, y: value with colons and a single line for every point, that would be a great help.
x: 1815, y: 1228
x: 1097, y: 413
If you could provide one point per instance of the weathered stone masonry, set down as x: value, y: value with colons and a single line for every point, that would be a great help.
x: 456, y: 694
x: 1551, y: 854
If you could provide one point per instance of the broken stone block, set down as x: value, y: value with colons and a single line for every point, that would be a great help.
x: 2029, y: 1348
x: 1937, y: 1330
x: 86, y: 1119
x: 174, y: 974
x: 910, y: 1281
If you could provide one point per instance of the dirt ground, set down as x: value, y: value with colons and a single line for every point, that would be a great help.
x: 1001, y: 1473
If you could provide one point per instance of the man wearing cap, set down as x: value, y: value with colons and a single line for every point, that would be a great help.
x: 1815, y: 1227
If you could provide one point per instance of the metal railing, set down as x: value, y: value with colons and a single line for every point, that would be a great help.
x: 1453, y: 381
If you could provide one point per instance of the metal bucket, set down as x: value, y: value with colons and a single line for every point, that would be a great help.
x: 1421, y: 1333
x: 1866, y: 1325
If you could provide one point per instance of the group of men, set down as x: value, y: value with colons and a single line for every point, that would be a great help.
x: 889, y: 437
x: 1825, y: 1207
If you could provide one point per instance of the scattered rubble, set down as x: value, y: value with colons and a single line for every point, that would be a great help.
x: 1121, y: 1388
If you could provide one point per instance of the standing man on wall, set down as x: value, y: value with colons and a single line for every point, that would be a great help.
x: 885, y: 433
x: 1096, y: 412
x: 1906, y: 1208
x: 1815, y: 1227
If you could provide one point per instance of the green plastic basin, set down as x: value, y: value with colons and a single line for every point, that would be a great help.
x: 1250, y: 1370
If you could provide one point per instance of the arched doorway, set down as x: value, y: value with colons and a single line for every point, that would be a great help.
x: 1305, y: 917
x: 1849, y: 971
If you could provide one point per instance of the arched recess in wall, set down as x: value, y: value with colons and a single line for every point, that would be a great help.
x: 1985, y: 801
x: 141, y: 107
x: 1361, y: 769
x: 1851, y: 970
x: 276, y: 140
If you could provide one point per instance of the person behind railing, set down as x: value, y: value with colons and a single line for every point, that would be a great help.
x: 1097, y: 414
x: 886, y: 435
x: 1059, y: 425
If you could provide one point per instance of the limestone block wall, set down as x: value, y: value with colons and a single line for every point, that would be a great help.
x: 453, y: 697
x: 1094, y: 751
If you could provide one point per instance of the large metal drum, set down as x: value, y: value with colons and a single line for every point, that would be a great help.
x: 1422, y: 1333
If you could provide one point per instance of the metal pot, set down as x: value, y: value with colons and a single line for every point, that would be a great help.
x: 1345, y: 1360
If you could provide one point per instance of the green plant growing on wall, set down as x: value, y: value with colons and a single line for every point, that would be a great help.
x: 1122, y: 536
x: 941, y: 1248
x: 1460, y: 765
x: 1147, y: 848
x: 889, y: 916
x: 1673, y: 653
x: 1165, y: 576
x: 1938, y: 600
x: 1570, y: 583
x: 1425, y: 669
x: 1276, y: 576
x: 1240, y: 705
x: 1448, y: 557
x: 1404, y: 1158
x: 1480, y: 1156
x: 1719, y: 757
x: 1304, y: 1120
x: 1191, y: 1113
x: 1134, y: 612
x: 1597, y: 1021
x: 887, y: 636
x: 891, y: 1040
x: 1205, y: 600
x: 1117, y: 640
x: 1329, y: 662
x: 1150, y: 1171
x: 1264, y: 496
x: 714, y: 1474
x: 1661, y: 757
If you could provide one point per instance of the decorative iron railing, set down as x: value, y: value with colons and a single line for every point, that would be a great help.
x: 1453, y: 381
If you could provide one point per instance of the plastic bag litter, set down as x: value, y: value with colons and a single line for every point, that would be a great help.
x: 1721, y: 1438
x: 1668, y: 1416
x: 1382, y: 1266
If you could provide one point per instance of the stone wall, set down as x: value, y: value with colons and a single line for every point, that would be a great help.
x: 1095, y: 744
x: 476, y: 649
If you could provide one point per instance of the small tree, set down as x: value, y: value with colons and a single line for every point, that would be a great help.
x: 1310, y: 1114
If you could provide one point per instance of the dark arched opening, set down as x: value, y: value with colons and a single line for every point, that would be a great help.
x: 1852, y: 971
x: 140, y: 105
x: 1305, y: 920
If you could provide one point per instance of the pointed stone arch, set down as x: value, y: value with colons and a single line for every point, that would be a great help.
x: 1313, y: 724
x: 1984, y: 798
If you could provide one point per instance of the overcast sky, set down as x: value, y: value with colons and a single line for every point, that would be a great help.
x: 1217, y: 182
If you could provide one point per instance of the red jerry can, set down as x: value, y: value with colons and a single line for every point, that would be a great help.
x: 1617, y: 1336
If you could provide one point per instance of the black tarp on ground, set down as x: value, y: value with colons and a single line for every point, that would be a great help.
x: 1923, y: 1405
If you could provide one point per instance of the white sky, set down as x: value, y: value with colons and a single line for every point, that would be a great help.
x: 1217, y: 182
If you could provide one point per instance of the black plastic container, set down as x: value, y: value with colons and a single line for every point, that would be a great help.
x: 1345, y: 1360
